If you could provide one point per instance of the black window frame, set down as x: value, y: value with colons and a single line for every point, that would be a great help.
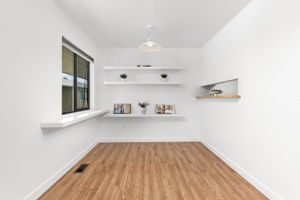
x: 75, y: 89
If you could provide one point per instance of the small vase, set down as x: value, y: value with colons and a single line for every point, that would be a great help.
x: 144, y: 110
x: 164, y: 79
x: 123, y: 80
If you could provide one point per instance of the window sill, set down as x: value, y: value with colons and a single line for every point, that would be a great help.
x: 73, y: 119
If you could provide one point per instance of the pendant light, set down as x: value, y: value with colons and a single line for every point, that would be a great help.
x: 149, y: 45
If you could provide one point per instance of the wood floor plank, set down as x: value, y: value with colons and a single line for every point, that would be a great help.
x: 152, y: 171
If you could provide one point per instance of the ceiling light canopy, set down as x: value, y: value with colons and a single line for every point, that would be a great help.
x: 149, y: 45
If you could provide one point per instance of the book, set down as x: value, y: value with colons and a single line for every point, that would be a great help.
x: 170, y: 109
x: 165, y: 109
x: 122, y: 108
x: 127, y: 108
x: 160, y: 109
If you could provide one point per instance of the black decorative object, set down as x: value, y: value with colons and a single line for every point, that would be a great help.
x: 123, y: 76
x: 164, y: 75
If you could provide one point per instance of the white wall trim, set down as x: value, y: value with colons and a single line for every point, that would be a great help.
x: 36, y: 193
x: 149, y: 139
x: 246, y: 175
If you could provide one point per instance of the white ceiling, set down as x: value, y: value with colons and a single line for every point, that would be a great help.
x: 178, y: 23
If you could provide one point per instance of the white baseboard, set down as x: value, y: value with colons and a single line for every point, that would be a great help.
x: 148, y: 139
x: 35, y: 194
x: 246, y: 175
x: 56, y: 176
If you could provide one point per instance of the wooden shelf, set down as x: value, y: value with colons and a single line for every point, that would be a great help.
x: 136, y: 115
x: 142, y: 83
x: 229, y: 90
x: 219, y: 97
x: 120, y: 68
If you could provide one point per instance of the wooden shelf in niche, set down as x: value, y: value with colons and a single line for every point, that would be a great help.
x: 219, y: 97
x: 229, y: 88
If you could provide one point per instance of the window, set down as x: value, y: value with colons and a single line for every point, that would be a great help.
x: 76, y: 82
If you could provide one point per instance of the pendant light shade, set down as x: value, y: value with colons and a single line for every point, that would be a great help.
x: 149, y: 45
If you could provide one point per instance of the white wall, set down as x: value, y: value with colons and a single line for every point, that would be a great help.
x: 182, y: 96
x: 31, y: 34
x: 260, y: 132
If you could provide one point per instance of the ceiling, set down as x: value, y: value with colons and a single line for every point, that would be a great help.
x: 178, y: 23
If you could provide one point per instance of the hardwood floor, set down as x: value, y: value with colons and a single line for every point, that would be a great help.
x: 142, y: 171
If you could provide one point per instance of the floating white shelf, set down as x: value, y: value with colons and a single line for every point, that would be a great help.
x: 136, y: 115
x: 120, y: 68
x: 141, y: 83
x: 73, y: 119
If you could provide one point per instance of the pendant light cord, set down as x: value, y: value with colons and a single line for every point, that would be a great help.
x: 150, y: 27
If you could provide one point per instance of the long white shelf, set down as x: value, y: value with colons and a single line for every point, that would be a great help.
x: 136, y: 115
x: 140, y: 83
x: 73, y: 119
x: 120, y: 68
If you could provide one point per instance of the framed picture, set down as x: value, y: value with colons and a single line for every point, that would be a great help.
x: 170, y: 109
x: 160, y: 109
x: 122, y: 108
x: 126, y: 108
x: 165, y: 109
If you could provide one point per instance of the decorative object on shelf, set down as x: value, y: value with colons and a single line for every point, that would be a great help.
x: 215, y: 92
x: 123, y: 77
x: 164, y: 77
x: 160, y: 109
x: 139, y: 65
x: 149, y: 45
x: 170, y: 109
x: 144, y: 105
x: 122, y: 108
x: 228, y: 89
x: 147, y: 65
x: 165, y: 109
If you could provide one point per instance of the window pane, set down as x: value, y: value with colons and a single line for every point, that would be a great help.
x: 68, y: 80
x: 82, y: 72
